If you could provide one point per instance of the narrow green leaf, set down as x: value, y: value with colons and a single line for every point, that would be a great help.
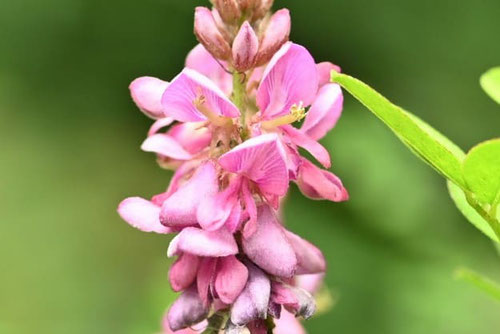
x: 485, y: 284
x: 470, y: 213
x: 490, y: 81
x: 428, y: 144
x: 481, y: 170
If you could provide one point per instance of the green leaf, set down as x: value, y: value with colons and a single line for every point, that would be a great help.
x: 469, y: 212
x: 426, y: 142
x: 490, y: 81
x: 485, y: 284
x: 481, y: 170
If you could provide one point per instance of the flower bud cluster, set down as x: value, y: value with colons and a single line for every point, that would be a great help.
x: 233, y: 145
x: 243, y: 33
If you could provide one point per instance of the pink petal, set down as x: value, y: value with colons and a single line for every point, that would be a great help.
x: 296, y: 300
x: 310, y: 259
x: 207, y: 32
x: 193, y: 137
x: 235, y: 219
x: 276, y: 34
x: 262, y: 160
x: 214, y: 211
x: 200, y: 60
x: 310, y: 145
x: 231, y: 278
x: 324, y: 112
x: 183, y: 272
x: 199, y: 242
x: 268, y: 247
x: 288, y: 324
x: 142, y: 214
x: 179, y: 209
x: 187, y: 310
x: 195, y: 329
x: 290, y: 78
x: 159, y: 124
x: 251, y: 209
x: 245, y: 47
x: 253, y: 301
x: 310, y: 283
x: 325, y: 72
x: 178, y: 99
x: 320, y: 184
x: 146, y: 93
x: 205, y: 278
x: 166, y: 146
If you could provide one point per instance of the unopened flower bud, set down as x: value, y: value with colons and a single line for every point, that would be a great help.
x: 205, y: 29
x: 275, y: 35
x: 245, y: 48
x: 228, y: 10
x: 262, y: 7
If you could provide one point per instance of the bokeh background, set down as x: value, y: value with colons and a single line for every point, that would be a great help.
x: 70, y: 137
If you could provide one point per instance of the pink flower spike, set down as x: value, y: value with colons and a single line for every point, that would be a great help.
x: 252, y: 303
x: 245, y: 47
x: 142, y: 214
x: 166, y: 146
x: 276, y: 34
x: 269, y: 247
x: 262, y: 160
x: 200, y: 60
x: 289, y: 79
x: 205, y: 29
x: 310, y: 260
x: 325, y: 72
x: 179, y: 98
x: 183, y: 272
x: 310, y: 145
x: 320, y: 184
x: 231, y: 278
x: 146, y: 93
x: 199, y: 242
x: 179, y: 210
x: 187, y: 310
x: 324, y: 112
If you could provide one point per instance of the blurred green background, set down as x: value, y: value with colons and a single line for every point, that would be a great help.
x: 70, y: 139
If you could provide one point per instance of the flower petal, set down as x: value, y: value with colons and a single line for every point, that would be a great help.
x: 253, y: 301
x: 324, y: 112
x: 166, y: 146
x: 325, y: 72
x: 288, y: 324
x: 290, y: 78
x: 231, y: 278
x: 310, y: 145
x: 205, y: 278
x: 142, y: 214
x: 199, y: 242
x: 310, y: 259
x: 178, y: 99
x: 183, y: 272
x: 320, y: 184
x: 200, y: 60
x: 159, y: 124
x: 275, y: 35
x: 179, y: 209
x: 193, y: 137
x: 187, y: 310
x: 268, y: 247
x: 310, y: 283
x: 146, y: 93
x: 262, y: 160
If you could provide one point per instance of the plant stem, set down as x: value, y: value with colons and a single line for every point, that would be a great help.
x: 487, y: 285
x: 216, y: 323
x: 240, y: 94
x: 491, y: 220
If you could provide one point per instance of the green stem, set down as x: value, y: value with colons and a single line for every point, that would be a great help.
x: 216, y: 323
x: 491, y: 220
x: 240, y: 94
x: 487, y: 285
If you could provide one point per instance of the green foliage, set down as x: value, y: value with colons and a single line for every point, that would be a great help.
x: 431, y: 146
x: 474, y: 180
x: 481, y: 170
x: 490, y: 81
x: 487, y: 285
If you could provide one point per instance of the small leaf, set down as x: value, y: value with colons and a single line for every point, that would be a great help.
x: 481, y: 169
x: 490, y: 81
x: 426, y: 142
x: 487, y: 285
x: 470, y: 213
